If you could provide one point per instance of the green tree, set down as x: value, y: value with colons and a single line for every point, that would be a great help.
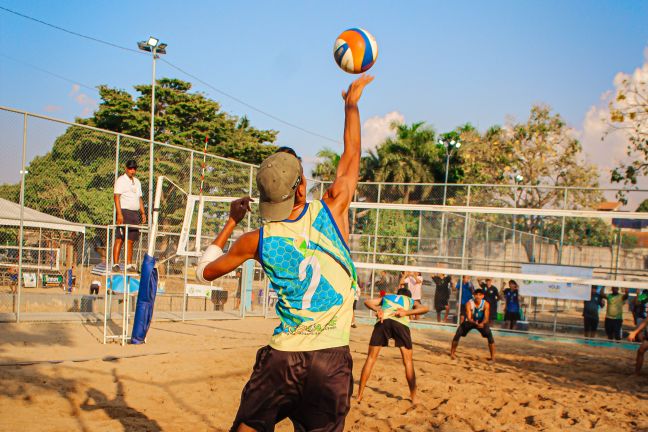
x: 643, y: 207
x: 75, y: 179
x: 542, y: 152
x: 181, y: 118
x: 629, y: 116
x: 409, y: 157
x: 326, y: 167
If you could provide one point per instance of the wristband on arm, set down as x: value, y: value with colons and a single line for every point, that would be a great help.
x: 212, y: 253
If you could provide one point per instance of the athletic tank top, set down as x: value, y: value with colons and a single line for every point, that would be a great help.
x: 478, y: 311
x: 310, y: 267
x: 392, y: 302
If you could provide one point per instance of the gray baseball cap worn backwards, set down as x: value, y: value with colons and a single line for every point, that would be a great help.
x: 277, y: 180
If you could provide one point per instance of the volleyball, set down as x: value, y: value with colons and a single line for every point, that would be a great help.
x: 355, y: 50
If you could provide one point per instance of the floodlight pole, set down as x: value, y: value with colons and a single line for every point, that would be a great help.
x: 448, y: 145
x: 153, y: 46
x: 152, y: 137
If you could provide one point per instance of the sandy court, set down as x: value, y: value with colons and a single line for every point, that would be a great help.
x: 189, y: 377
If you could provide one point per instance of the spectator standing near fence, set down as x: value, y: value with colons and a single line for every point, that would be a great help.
x: 639, y: 308
x: 442, y: 295
x: 69, y: 279
x: 614, y: 313
x: 591, y: 312
x: 512, y: 304
x: 466, y: 288
x: 492, y: 296
x: 355, y: 305
x: 13, y: 279
x: 129, y: 207
x: 414, y: 283
x: 95, y: 286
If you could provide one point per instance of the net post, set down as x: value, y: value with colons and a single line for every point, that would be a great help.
x: 186, y: 260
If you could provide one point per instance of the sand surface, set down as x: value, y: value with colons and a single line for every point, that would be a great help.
x: 189, y: 377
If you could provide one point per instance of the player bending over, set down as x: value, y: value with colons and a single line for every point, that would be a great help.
x: 393, y: 312
x: 305, y: 373
x: 477, y: 313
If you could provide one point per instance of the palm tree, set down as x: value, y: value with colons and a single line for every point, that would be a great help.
x: 409, y: 157
x: 326, y: 167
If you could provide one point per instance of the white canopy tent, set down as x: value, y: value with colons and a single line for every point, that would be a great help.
x: 10, y: 216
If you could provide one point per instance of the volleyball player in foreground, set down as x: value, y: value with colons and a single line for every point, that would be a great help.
x: 305, y: 373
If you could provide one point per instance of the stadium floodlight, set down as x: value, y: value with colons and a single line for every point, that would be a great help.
x: 449, y: 147
x: 155, y: 47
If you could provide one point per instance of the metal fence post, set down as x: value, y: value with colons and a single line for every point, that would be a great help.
x: 249, y: 218
x: 560, y: 256
x: 117, y: 149
x: 375, y: 244
x: 186, y: 260
x: 463, y: 262
x: 22, y: 218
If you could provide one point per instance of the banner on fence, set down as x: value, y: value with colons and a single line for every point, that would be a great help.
x: 556, y: 290
x: 195, y: 290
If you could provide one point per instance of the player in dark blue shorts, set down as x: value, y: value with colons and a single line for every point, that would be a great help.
x: 477, y: 314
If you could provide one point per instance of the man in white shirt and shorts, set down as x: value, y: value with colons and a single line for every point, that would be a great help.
x: 130, y: 210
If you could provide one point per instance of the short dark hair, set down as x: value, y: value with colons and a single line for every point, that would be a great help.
x: 479, y: 291
x: 404, y: 292
x: 289, y: 150
x: 131, y: 163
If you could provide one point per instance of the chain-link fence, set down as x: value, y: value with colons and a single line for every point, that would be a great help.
x: 58, y: 223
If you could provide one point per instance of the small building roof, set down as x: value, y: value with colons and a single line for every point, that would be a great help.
x: 609, y: 206
x: 10, y: 216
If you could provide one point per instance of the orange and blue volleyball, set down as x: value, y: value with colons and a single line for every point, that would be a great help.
x: 355, y: 50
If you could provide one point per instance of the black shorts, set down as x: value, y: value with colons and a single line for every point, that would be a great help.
x: 440, y: 301
x: 355, y: 303
x: 94, y: 289
x: 613, y: 328
x: 391, y: 329
x: 511, y: 316
x: 465, y: 328
x: 311, y: 388
x: 131, y: 217
x: 590, y: 323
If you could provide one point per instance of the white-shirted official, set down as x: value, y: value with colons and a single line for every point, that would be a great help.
x: 130, y: 210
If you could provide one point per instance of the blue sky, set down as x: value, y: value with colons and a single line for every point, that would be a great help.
x: 441, y: 62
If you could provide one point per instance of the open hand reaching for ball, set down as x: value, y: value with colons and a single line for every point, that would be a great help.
x: 353, y: 93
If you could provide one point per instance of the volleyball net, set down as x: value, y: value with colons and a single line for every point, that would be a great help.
x: 554, y: 255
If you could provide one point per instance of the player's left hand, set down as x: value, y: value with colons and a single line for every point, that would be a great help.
x: 239, y: 208
x: 632, y: 336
